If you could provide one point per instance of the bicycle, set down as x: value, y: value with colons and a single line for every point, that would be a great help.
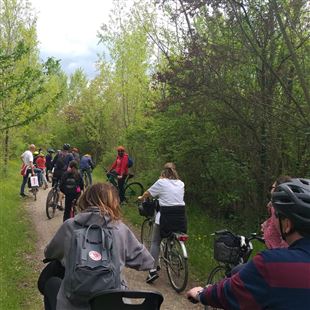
x: 52, y: 201
x: 231, y: 252
x: 147, y: 211
x: 173, y: 253
x: 73, y: 209
x: 85, y: 179
x: 86, y: 175
x: 33, y: 185
x: 132, y: 189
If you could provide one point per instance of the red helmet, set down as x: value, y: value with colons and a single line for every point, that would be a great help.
x: 120, y: 148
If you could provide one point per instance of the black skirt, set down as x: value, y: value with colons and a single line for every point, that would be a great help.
x: 172, y: 219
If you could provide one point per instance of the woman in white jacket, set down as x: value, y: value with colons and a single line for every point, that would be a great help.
x: 99, y: 203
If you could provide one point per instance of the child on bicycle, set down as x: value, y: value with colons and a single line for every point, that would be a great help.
x: 99, y: 204
x: 169, y: 190
x: 71, y: 185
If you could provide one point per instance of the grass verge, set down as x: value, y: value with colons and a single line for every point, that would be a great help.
x: 17, y: 245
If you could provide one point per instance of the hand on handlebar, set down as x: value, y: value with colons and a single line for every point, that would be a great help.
x: 193, y: 294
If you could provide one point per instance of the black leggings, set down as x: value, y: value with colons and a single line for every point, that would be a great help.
x: 49, y: 283
x: 50, y: 293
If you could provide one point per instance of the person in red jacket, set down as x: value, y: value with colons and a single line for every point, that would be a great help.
x: 120, y: 169
x: 41, y: 164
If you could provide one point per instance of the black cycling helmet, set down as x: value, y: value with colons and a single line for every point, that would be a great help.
x: 292, y: 200
x: 50, y: 150
x: 66, y: 147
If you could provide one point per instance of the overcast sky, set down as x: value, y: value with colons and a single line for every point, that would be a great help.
x: 67, y: 30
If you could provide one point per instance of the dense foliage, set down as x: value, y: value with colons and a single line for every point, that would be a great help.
x: 219, y: 87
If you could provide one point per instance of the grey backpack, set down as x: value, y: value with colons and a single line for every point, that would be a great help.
x: 93, y: 264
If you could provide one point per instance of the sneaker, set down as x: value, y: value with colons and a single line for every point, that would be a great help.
x: 60, y: 208
x: 23, y: 195
x: 45, y: 186
x: 153, y: 275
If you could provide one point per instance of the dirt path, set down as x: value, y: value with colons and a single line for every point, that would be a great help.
x: 45, y: 229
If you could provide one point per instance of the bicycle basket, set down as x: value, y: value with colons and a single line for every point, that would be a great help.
x: 148, y: 207
x: 227, y: 247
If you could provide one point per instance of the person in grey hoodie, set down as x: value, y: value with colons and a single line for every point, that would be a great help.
x: 99, y: 203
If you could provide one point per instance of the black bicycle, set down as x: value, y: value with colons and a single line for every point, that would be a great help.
x: 132, y: 189
x: 173, y: 253
x: 52, y: 201
x: 231, y: 251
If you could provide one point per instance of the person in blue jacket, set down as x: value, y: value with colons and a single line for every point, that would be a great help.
x: 87, y: 165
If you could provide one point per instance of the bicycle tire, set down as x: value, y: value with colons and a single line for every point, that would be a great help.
x: 34, y: 192
x: 85, y: 180
x: 132, y: 191
x: 146, y: 233
x: 176, y: 265
x: 216, y: 274
x: 51, y: 203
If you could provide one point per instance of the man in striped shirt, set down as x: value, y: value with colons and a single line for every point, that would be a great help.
x: 278, y: 278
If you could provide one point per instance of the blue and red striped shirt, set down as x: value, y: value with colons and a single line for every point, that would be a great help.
x: 273, y: 279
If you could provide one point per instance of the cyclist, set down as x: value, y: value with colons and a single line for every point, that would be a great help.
x: 61, y: 162
x: 169, y: 190
x: 28, y: 167
x: 120, y: 169
x: 49, y: 159
x: 99, y: 204
x: 277, y: 278
x: 87, y: 165
x: 76, y: 155
x: 35, y: 156
x: 270, y: 227
x: 40, y: 163
x: 71, y: 185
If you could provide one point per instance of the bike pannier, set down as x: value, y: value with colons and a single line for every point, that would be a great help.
x: 148, y: 207
x: 227, y: 247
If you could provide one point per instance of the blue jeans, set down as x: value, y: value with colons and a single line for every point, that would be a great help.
x: 37, y: 171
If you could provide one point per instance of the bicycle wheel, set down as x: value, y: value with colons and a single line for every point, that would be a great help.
x: 216, y: 274
x: 132, y: 191
x: 51, y: 203
x: 176, y: 265
x: 34, y: 192
x: 85, y: 179
x: 146, y: 233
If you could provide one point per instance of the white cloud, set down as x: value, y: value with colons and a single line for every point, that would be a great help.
x: 67, y: 29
